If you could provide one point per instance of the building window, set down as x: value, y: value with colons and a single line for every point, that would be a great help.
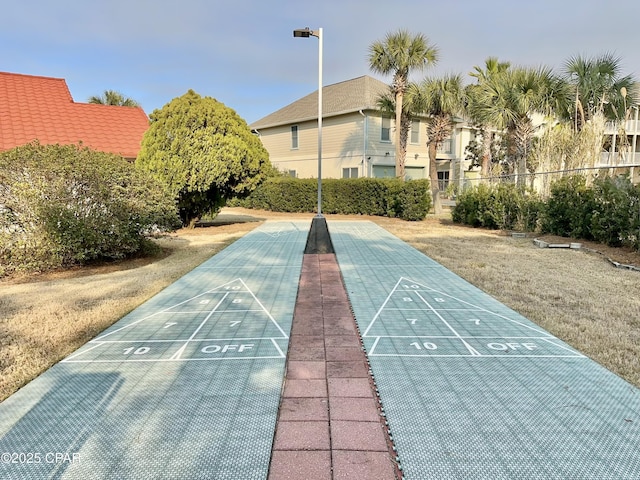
x: 415, y: 131
x: 383, y: 171
x: 443, y: 180
x: 351, y: 172
x: 385, y: 134
x: 294, y: 137
x: 446, y: 146
x: 292, y: 173
x: 414, y: 173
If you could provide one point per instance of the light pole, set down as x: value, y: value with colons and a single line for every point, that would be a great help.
x: 305, y: 33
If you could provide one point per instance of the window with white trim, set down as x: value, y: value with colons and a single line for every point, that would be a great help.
x: 351, y: 172
x: 385, y: 133
x: 415, y: 132
x: 294, y: 137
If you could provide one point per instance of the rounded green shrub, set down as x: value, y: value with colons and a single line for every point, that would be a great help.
x: 66, y: 205
x: 504, y: 206
x: 569, y: 208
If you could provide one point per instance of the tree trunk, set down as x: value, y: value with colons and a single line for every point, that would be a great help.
x: 523, y: 134
x: 400, y: 154
x: 433, y: 178
x: 486, y: 154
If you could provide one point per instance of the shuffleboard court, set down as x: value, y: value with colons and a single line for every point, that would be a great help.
x: 472, y: 389
x: 186, y: 386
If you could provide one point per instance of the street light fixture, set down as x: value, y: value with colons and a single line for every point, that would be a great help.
x: 306, y: 33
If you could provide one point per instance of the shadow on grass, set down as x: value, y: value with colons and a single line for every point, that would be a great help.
x: 229, y: 219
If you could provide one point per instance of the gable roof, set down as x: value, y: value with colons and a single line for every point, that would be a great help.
x: 41, y: 108
x: 360, y: 93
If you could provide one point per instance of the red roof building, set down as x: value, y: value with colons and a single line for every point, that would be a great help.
x: 41, y: 108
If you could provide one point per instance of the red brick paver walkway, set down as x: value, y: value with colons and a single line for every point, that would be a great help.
x: 329, y: 425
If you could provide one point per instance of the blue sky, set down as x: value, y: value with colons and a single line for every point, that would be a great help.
x: 243, y: 53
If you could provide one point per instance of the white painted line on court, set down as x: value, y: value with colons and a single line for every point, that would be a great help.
x: 240, y: 289
x: 178, y: 354
x: 375, y: 344
x: 240, y: 267
x: 195, y: 340
x: 478, y: 307
x: 164, y: 360
x: 470, y: 355
x: 381, y: 308
x: 162, y: 311
x: 470, y: 337
x: 548, y: 340
x: 264, y: 309
x: 81, y: 353
x: 472, y: 350
x: 275, y: 344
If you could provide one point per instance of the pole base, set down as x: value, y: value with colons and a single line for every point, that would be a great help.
x: 319, y: 240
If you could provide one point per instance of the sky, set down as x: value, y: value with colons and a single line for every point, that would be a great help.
x: 243, y: 53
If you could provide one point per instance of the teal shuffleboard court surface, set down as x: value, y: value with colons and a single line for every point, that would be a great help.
x: 472, y: 389
x: 187, y: 386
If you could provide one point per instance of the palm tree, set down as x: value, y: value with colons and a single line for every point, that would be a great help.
x: 598, y: 87
x: 399, y: 53
x: 410, y: 107
x: 440, y: 99
x: 492, y: 68
x: 509, y: 100
x: 111, y: 97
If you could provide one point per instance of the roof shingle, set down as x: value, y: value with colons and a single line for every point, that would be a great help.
x: 41, y: 108
x: 360, y: 93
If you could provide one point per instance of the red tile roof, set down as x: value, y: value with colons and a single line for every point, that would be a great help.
x: 41, y: 108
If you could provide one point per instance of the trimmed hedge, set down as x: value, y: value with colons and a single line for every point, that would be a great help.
x: 503, y: 206
x: 410, y: 200
x: 607, y: 212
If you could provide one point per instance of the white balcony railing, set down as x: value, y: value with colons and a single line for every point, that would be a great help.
x: 614, y: 159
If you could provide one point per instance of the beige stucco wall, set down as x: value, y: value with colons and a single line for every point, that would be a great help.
x: 352, y: 140
x: 342, y: 146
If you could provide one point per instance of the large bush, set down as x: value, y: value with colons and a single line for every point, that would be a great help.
x: 66, y: 205
x: 607, y: 212
x: 204, y: 152
x: 569, y: 208
x: 367, y: 196
x: 503, y: 206
x: 615, y: 219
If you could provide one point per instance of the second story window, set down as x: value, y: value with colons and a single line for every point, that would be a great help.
x: 415, y: 132
x: 446, y: 146
x: 385, y: 134
x: 294, y: 137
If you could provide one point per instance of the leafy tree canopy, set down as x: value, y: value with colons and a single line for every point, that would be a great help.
x: 399, y: 53
x: 205, y: 152
x: 598, y: 86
